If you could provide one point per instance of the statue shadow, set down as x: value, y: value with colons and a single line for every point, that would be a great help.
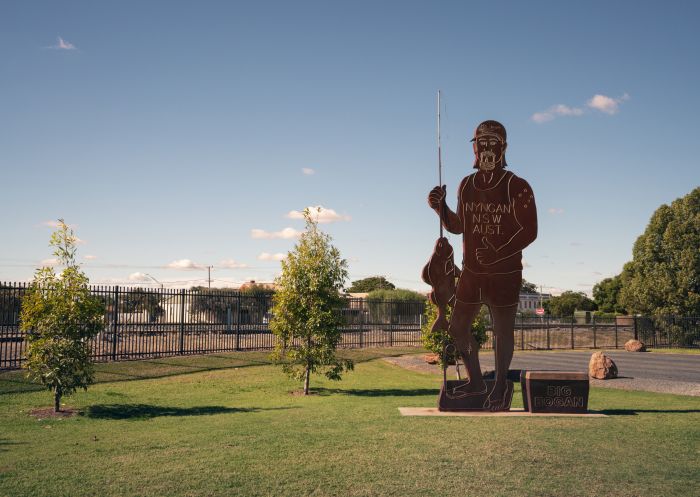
x: 635, y: 412
x: 378, y: 392
x: 146, y: 411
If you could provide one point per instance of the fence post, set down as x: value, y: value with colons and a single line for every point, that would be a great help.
x: 595, y: 336
x: 636, y: 333
x: 362, y: 323
x: 546, y: 323
x: 522, y: 334
x: 391, y: 324
x: 115, y: 322
x: 182, y: 321
x: 572, y: 332
x: 617, y: 346
x: 238, y: 324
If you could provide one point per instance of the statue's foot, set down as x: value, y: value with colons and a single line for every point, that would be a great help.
x: 499, y: 398
x: 496, y: 400
x: 468, y: 389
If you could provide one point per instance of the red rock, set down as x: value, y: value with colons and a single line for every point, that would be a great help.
x: 635, y: 346
x: 601, y: 367
x: 431, y: 358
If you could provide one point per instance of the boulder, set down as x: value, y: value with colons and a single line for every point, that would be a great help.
x: 601, y: 367
x: 635, y: 346
x: 431, y: 358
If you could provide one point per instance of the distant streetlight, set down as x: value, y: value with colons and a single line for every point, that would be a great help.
x: 161, y: 284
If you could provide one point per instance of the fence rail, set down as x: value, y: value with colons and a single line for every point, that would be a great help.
x: 146, y: 323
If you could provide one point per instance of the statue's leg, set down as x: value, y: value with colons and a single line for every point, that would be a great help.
x: 460, y: 330
x: 503, y: 324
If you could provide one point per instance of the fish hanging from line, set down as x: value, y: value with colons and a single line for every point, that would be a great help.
x: 441, y: 274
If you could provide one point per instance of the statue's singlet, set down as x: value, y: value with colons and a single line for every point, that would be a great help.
x: 490, y: 213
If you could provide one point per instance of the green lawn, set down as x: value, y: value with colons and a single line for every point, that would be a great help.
x: 227, y: 425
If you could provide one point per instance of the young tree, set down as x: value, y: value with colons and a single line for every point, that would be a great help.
x: 435, y: 341
x: 60, y: 317
x: 306, y: 314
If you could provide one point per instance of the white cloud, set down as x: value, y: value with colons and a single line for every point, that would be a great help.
x: 49, y: 262
x: 264, y: 256
x: 556, y: 111
x: 526, y: 264
x: 606, y: 104
x: 139, y: 277
x: 320, y: 214
x: 62, y: 44
x: 308, y: 171
x: 232, y: 264
x: 286, y: 234
x: 50, y: 224
x: 90, y: 257
x: 185, y: 264
x: 555, y: 210
x: 602, y: 103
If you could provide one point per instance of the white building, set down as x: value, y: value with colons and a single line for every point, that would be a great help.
x: 529, y: 302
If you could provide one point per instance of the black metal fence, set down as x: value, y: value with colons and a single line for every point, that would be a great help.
x: 552, y: 333
x: 142, y: 323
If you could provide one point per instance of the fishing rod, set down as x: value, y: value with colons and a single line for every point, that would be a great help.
x: 439, y: 159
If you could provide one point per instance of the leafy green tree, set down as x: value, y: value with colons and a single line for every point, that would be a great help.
x: 397, y: 295
x: 217, y: 305
x: 435, y: 341
x: 306, y: 314
x: 606, y: 294
x: 142, y: 300
x: 370, y: 284
x: 60, y: 317
x: 568, y: 302
x: 664, y: 274
x: 394, y: 306
x: 527, y: 287
x: 10, y: 304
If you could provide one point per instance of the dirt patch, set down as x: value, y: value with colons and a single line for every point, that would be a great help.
x: 48, y: 413
x: 300, y: 393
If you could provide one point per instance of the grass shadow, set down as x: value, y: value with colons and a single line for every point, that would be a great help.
x: 146, y: 411
x: 378, y: 392
x: 4, y: 442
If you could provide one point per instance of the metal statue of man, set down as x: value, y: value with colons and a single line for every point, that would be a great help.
x: 497, y: 219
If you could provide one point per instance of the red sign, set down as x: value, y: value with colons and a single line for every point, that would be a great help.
x: 539, y: 311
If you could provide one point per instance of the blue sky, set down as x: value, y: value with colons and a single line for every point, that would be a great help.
x: 166, y: 132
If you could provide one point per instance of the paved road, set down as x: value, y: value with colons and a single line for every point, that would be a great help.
x: 655, y: 372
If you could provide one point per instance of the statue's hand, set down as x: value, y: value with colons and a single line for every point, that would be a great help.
x: 436, y: 197
x: 487, y: 254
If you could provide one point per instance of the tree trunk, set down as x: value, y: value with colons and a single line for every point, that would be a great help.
x: 306, y: 380
x: 56, y: 400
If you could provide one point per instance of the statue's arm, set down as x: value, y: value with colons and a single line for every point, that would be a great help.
x: 449, y: 219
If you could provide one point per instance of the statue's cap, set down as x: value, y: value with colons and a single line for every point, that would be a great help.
x: 490, y: 128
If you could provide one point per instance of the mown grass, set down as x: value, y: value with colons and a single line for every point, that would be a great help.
x: 231, y: 427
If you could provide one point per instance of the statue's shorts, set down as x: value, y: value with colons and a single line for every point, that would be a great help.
x: 499, y: 290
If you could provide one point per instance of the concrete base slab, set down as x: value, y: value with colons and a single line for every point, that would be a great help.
x: 516, y: 412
